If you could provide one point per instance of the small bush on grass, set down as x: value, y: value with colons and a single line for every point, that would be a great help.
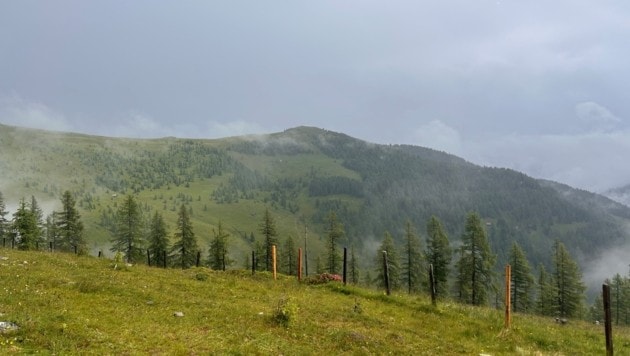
x: 323, y: 278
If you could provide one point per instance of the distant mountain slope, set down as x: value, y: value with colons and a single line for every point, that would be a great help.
x: 302, y: 174
x: 620, y: 195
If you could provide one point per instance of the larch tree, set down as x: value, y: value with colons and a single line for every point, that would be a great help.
x: 476, y: 261
x: 158, y: 239
x: 129, y: 237
x: 289, y: 256
x: 334, y: 232
x: 569, y: 286
x: 218, y: 253
x: 393, y: 262
x: 270, y: 235
x: 69, y: 226
x: 25, y: 232
x: 546, y: 293
x: 185, y: 247
x: 522, y: 280
x: 412, y: 265
x: 4, y: 222
x: 438, y: 253
x: 354, y: 267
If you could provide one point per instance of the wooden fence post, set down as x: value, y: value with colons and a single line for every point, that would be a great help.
x: 607, y: 320
x: 273, y: 261
x: 149, y: 257
x: 198, y: 258
x: 253, y: 262
x: 51, y: 246
x: 386, y: 273
x: 508, y: 296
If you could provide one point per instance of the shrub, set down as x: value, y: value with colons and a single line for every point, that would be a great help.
x: 285, y: 312
x: 323, y: 278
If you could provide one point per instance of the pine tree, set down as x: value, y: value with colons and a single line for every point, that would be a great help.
x: 158, y: 239
x: 218, y: 253
x: 618, y: 304
x: 4, y: 222
x: 393, y: 263
x: 546, y: 298
x: 476, y: 262
x: 412, y: 266
x: 38, y: 214
x: 335, y: 233
x: 51, y: 229
x: 128, y: 237
x: 568, y: 280
x: 69, y: 226
x: 522, y: 280
x: 268, y: 230
x: 185, y: 248
x: 25, y: 232
x: 288, y: 257
x: 438, y: 253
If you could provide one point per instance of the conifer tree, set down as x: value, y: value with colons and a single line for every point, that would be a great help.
x: 218, y: 253
x: 128, y: 237
x: 476, y: 262
x: 158, y: 239
x: 288, y: 256
x: 270, y: 235
x: 185, y: 248
x: 617, y: 302
x: 412, y: 266
x: 522, y: 279
x: 335, y: 233
x: 546, y: 293
x: 393, y: 262
x: 51, y: 229
x: 37, y: 212
x: 438, y: 253
x: 568, y: 279
x: 69, y: 226
x: 25, y: 232
x: 4, y: 222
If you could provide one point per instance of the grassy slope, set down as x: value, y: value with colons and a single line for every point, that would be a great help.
x: 76, y: 305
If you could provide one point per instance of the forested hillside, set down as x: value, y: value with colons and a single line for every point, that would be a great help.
x: 301, y: 175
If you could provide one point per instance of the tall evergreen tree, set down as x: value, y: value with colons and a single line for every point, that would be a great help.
x: 393, y: 262
x: 270, y: 235
x: 218, y: 253
x: 158, y: 239
x: 546, y: 293
x: 25, y: 232
x: 51, y: 229
x: 335, y: 233
x: 69, y: 226
x: 37, y: 212
x: 413, y: 264
x: 522, y: 280
x: 478, y: 261
x: 185, y: 247
x: 4, y: 222
x: 568, y: 278
x: 129, y: 234
x: 438, y: 253
x: 288, y: 256
x: 617, y: 301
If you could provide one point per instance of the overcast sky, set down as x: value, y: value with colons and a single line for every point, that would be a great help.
x: 539, y: 86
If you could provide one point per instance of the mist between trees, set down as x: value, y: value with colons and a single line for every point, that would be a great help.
x: 467, y: 272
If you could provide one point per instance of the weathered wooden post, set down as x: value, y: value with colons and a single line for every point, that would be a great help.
x: 198, y: 258
x: 273, y: 261
x: 100, y: 253
x: 148, y: 257
x: 386, y: 273
x: 51, y: 246
x: 432, y: 284
x: 608, y: 320
x: 253, y: 262
x: 508, y: 296
x: 75, y: 250
x: 4, y: 242
x: 345, y: 264
x: 299, y: 265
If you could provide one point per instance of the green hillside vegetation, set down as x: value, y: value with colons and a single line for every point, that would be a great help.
x: 68, y: 304
x: 301, y: 175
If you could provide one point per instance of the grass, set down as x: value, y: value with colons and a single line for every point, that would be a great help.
x: 66, y: 304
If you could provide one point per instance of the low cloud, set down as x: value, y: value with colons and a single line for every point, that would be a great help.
x: 438, y: 135
x: 596, y: 116
x: 19, y: 112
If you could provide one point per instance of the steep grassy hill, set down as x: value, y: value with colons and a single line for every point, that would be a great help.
x: 302, y: 174
x: 64, y: 304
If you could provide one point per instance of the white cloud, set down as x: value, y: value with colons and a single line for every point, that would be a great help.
x: 19, y: 112
x: 439, y: 136
x: 596, y: 116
